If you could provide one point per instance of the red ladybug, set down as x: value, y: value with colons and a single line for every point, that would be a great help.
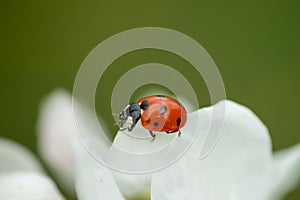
x: 157, y: 113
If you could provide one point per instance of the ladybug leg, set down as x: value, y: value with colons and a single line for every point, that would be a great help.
x: 121, y: 124
x: 122, y: 129
x: 135, y: 118
x: 179, y: 133
x: 152, y: 134
x: 168, y: 132
x: 130, y: 128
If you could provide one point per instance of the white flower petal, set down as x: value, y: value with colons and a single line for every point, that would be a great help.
x: 132, y: 184
x: 93, y: 180
x: 286, y: 171
x: 27, y: 186
x: 55, y: 132
x: 15, y: 157
x: 138, y: 141
x: 237, y: 168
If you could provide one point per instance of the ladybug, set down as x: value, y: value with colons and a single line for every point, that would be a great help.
x: 158, y: 113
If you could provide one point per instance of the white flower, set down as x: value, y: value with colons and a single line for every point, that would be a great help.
x: 242, y: 165
x: 21, y: 175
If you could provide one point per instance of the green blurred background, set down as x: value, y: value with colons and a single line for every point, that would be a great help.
x: 255, y: 44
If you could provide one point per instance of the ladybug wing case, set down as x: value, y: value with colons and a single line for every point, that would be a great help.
x: 162, y: 114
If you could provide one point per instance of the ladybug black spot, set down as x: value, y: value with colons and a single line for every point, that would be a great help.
x: 163, y: 110
x: 144, y: 105
x: 160, y: 96
x: 155, y: 124
x: 178, y: 121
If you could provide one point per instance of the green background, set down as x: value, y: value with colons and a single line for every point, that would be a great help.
x: 255, y: 44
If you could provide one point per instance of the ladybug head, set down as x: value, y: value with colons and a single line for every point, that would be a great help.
x: 133, y: 111
x: 124, y: 115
